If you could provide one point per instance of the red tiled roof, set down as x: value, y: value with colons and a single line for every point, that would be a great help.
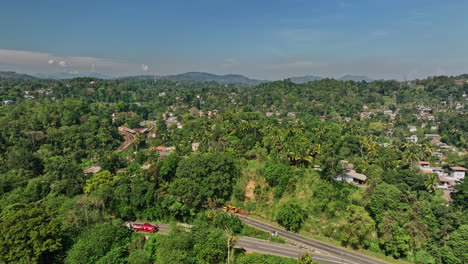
x: 427, y: 171
x: 424, y: 162
x: 137, y: 129
x: 458, y: 168
x: 158, y: 148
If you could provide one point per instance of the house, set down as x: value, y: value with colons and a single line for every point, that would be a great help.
x: 445, y: 183
x: 365, y: 115
x: 323, y: 118
x: 413, y: 138
x: 434, y: 127
x: 269, y: 114
x: 158, y: 148
x: 7, y: 102
x: 350, y: 175
x: 168, y: 151
x: 195, y: 146
x: 444, y: 146
x: 461, y: 81
x: 435, y: 137
x: 424, y: 108
x: 146, y: 166
x: 387, y: 112
x: 292, y: 115
x: 412, y: 128
x: 440, y: 172
x: 93, y: 169
x: 457, y: 173
x: 424, y: 165
x: 163, y: 151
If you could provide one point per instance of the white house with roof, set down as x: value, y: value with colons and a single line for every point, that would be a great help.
x: 457, y: 173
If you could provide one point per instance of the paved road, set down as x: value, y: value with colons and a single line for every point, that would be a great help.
x: 283, y: 250
x: 346, y: 256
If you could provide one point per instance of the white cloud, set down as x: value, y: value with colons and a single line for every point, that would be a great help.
x: 34, y: 62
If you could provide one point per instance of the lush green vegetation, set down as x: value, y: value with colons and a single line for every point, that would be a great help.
x: 280, y: 166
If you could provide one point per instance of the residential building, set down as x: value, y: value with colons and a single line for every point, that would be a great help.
x: 457, y: 173
x: 413, y: 138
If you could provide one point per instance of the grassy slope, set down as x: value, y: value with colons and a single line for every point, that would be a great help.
x: 320, y: 226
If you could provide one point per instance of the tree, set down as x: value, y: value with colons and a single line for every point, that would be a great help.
x: 358, y: 228
x: 306, y: 258
x: 290, y: 215
x: 385, y: 197
x: 98, y: 180
x: 111, y: 161
x: 29, y: 233
x: 103, y: 243
x: 460, y: 196
x: 174, y: 248
x: 205, y: 177
x: 431, y: 182
x: 459, y: 243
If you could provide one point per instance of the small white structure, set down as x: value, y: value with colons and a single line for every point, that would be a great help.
x: 412, y: 128
x: 195, y: 146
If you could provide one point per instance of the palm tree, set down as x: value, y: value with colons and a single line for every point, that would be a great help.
x: 431, y: 182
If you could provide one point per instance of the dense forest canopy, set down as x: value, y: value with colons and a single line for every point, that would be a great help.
x: 275, y: 150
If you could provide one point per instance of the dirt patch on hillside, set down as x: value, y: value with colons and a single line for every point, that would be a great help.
x: 249, y: 190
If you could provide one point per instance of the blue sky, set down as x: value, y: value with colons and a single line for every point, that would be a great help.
x: 402, y: 39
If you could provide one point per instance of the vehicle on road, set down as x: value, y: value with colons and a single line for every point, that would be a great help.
x: 145, y: 228
x: 231, y: 209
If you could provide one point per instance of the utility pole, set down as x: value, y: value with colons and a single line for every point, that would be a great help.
x: 229, y: 239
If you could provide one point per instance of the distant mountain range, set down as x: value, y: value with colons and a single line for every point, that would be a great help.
x: 189, y: 76
x: 67, y: 75
x: 14, y: 75
x: 199, y: 77
x: 355, y: 78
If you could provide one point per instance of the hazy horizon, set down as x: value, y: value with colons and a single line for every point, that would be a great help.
x: 267, y: 40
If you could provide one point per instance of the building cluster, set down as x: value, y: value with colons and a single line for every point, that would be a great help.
x: 447, y: 177
x: 368, y: 113
x: 171, y: 119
